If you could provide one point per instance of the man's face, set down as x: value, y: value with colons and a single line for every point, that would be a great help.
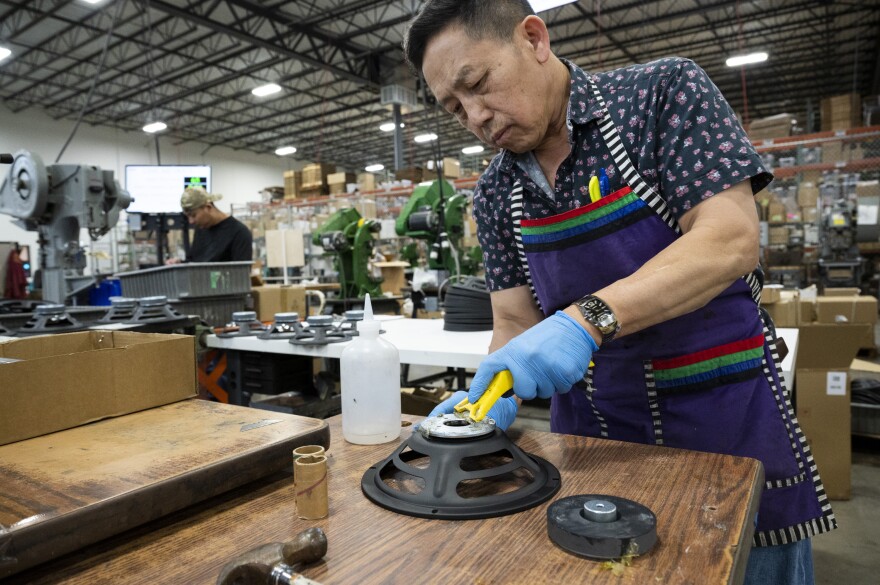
x: 198, y: 216
x: 496, y: 90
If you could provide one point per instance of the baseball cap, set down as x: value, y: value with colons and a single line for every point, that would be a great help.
x: 195, y: 197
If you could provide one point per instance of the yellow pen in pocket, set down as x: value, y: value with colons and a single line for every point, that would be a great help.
x: 595, y: 190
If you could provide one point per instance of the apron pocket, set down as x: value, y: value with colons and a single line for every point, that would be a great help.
x: 720, y: 400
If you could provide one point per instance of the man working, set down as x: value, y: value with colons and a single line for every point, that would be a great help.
x: 617, y: 223
x: 219, y: 237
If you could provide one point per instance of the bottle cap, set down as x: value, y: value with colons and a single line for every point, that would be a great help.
x: 369, y: 324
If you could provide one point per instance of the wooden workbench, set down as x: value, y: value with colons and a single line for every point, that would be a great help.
x: 705, y: 506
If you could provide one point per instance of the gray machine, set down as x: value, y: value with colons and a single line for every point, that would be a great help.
x: 57, y: 201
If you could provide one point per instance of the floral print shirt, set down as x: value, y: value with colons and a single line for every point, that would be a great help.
x: 677, y: 128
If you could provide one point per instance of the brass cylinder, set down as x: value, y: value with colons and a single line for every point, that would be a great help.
x: 310, y: 485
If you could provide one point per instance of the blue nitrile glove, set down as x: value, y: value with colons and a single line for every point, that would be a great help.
x: 543, y: 360
x: 503, y: 411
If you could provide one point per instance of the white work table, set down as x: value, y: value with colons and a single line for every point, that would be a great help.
x: 424, y: 342
x: 419, y: 341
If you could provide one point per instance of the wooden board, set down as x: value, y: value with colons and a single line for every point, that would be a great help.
x: 63, y: 491
x: 705, y: 506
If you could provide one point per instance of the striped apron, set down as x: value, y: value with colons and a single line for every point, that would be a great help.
x: 709, y: 380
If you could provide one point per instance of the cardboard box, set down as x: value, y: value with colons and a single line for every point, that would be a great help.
x: 451, y: 168
x: 366, y: 181
x: 771, y: 294
x: 285, y: 248
x: 841, y: 112
x: 393, y: 278
x: 806, y: 311
x: 279, y: 298
x: 807, y: 194
x: 822, y: 395
x: 67, y: 380
x: 784, y: 311
x: 421, y: 401
x: 776, y: 212
x: 841, y: 291
x: 832, y: 152
x: 846, y: 309
x: 771, y: 127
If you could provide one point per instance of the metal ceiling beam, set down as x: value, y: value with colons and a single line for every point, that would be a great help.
x: 269, y: 45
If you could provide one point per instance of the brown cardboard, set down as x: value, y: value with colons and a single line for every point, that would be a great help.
x: 828, y: 347
x: 393, y: 278
x: 822, y: 395
x: 823, y: 409
x: 807, y: 194
x: 806, y: 311
x: 784, y: 311
x: 842, y: 309
x: 278, y: 298
x: 285, y: 248
x: 841, y: 292
x: 68, y: 380
x: 771, y: 293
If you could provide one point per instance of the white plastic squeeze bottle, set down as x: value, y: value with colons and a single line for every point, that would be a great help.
x: 370, y: 376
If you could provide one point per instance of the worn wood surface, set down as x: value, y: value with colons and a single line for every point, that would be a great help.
x: 704, y: 503
x: 65, y: 490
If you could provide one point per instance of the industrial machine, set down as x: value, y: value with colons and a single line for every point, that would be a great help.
x: 436, y: 213
x: 840, y: 263
x: 351, y: 238
x: 56, y: 201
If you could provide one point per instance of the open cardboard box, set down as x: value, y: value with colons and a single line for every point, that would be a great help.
x: 825, y: 354
x: 63, y: 381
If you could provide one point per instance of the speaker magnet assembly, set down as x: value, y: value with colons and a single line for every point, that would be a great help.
x: 601, y: 527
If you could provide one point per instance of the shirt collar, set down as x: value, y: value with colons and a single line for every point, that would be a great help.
x: 583, y: 107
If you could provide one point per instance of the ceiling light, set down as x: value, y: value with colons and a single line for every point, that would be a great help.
x: 265, y: 90
x: 374, y: 168
x: 389, y: 126
x: 154, y: 127
x: 4, y: 52
x: 542, y: 5
x: 746, y: 59
x: 285, y: 150
x: 473, y: 149
x: 425, y: 137
x: 92, y: 1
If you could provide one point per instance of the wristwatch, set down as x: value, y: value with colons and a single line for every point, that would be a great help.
x: 600, y: 315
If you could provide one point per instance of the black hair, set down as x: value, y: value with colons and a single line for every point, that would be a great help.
x: 480, y: 19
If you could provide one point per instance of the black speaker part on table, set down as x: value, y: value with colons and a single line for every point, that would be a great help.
x: 321, y: 331
x: 601, y: 527
x: 121, y: 310
x: 154, y: 310
x: 244, y: 324
x: 448, y: 460
x: 285, y: 326
x: 51, y: 318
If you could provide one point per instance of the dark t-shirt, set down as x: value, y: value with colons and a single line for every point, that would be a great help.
x: 228, y: 241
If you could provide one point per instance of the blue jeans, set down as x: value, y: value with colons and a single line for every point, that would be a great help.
x: 787, y: 564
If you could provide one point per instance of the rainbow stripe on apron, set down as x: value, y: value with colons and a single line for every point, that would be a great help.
x: 610, y: 214
x: 710, y: 368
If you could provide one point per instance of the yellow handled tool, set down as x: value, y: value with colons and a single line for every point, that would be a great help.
x: 595, y: 189
x: 501, y: 383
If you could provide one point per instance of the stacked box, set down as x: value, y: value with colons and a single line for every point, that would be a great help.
x: 841, y: 112
x: 451, y: 168
x: 292, y: 184
x: 771, y: 127
x: 366, y: 181
x: 338, y: 181
x: 314, y: 177
x: 413, y: 174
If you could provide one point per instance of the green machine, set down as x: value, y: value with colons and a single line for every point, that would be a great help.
x: 350, y: 238
x: 421, y: 219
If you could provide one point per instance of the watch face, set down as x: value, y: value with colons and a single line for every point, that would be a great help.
x: 606, y: 321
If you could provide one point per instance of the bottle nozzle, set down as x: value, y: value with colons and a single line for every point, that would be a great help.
x: 368, y: 308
